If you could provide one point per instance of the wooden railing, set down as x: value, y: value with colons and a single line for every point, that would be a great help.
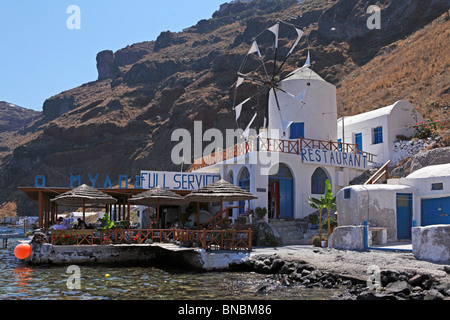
x: 277, y: 145
x: 382, y: 172
x: 206, y: 239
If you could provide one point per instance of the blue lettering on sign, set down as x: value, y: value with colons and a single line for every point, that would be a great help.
x: 335, y: 158
x: 325, y: 154
x: 304, y: 155
x: 123, y: 177
x: 332, y: 158
x: 108, y: 183
x: 175, y: 179
x: 36, y: 182
x: 318, y: 157
x: 139, y: 182
x: 344, y: 158
x: 199, y: 181
x: 93, y: 180
x: 190, y: 181
x: 73, y: 178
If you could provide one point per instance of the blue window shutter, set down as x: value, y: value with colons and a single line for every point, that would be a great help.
x: 297, y: 130
x: 378, y: 135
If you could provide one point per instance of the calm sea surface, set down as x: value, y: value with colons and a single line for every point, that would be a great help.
x: 21, y: 281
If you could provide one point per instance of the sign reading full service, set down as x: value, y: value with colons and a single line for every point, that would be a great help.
x: 177, y: 180
x: 334, y: 158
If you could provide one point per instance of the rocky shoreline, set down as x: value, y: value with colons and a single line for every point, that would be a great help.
x: 390, y: 285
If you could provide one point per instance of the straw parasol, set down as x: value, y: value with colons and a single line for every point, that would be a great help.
x: 83, y: 195
x: 157, y: 196
x: 219, y: 191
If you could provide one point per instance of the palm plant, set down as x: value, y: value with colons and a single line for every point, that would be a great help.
x: 324, y: 202
x: 318, y: 204
x: 329, y: 202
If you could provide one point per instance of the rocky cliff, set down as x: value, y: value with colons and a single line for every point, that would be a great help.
x: 121, y: 123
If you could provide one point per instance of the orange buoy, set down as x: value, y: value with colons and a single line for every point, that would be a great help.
x: 22, y: 251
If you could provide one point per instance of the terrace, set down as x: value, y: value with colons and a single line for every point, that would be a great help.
x: 277, y: 145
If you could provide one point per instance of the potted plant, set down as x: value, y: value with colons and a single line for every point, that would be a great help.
x: 261, y: 213
x: 319, y: 241
x: 313, y: 220
x: 324, y: 242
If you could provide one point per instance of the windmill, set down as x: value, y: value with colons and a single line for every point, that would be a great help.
x: 263, y: 71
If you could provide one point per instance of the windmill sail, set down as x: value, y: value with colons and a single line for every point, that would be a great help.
x: 306, y: 65
x: 300, y: 33
x: 254, y: 48
x: 238, y: 108
x: 247, y: 130
x: 275, y: 30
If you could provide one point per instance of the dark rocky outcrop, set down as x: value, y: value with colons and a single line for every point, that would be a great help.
x: 394, y: 285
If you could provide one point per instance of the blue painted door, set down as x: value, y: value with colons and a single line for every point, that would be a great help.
x: 286, y: 199
x: 246, y: 186
x: 404, y: 215
x: 359, y: 141
x: 435, y: 211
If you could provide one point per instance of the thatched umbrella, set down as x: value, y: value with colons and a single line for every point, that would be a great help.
x: 84, y: 195
x: 219, y: 191
x: 157, y: 196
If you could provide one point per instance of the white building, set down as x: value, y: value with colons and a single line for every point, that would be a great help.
x: 421, y: 199
x: 376, y: 131
x: 287, y: 164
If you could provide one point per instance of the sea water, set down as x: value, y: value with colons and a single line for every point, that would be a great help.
x: 19, y: 280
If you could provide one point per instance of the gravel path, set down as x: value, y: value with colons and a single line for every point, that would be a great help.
x: 355, y: 263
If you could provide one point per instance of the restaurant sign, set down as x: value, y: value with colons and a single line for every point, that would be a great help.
x: 334, y: 158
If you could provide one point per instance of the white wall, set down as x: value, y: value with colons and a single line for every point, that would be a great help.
x: 318, y: 113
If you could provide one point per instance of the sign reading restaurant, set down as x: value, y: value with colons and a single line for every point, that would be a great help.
x: 334, y: 158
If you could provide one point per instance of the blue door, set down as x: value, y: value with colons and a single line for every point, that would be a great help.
x: 435, y: 211
x: 297, y: 130
x: 404, y: 215
x: 286, y: 199
x: 359, y: 141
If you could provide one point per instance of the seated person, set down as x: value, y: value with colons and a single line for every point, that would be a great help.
x: 58, y: 225
x: 81, y: 224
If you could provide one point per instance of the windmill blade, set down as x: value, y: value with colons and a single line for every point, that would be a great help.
x: 306, y: 65
x: 238, y: 108
x: 249, y: 78
x: 255, y: 49
x: 300, y: 34
x: 247, y: 130
x: 298, y: 97
x: 275, y: 30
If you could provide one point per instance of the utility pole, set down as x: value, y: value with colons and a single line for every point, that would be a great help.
x: 343, y: 129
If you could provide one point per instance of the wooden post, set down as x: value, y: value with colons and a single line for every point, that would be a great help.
x: 157, y: 214
x: 41, y: 210
x: 249, y: 239
x: 84, y: 210
x: 198, y: 214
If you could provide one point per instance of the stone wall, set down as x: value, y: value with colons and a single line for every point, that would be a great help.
x: 347, y: 238
x: 432, y: 243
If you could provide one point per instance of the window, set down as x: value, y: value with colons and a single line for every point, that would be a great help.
x: 318, y: 181
x: 339, y: 144
x: 297, y: 130
x: 437, y: 186
x: 347, y: 193
x: 377, y: 135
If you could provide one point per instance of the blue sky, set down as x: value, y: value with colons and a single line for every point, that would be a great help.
x: 41, y: 57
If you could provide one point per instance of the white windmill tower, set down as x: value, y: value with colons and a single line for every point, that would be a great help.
x: 299, y: 104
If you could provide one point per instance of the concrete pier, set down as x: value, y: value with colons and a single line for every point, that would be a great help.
x: 195, y: 259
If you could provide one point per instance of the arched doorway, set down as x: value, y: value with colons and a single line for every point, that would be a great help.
x: 244, y: 183
x: 281, y: 194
